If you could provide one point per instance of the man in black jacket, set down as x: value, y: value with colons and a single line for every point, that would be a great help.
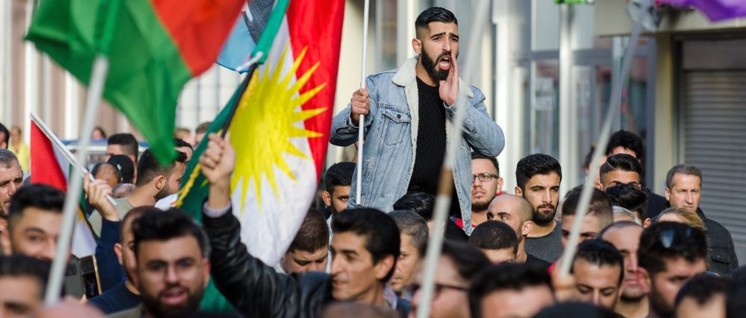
x: 684, y: 190
x: 364, y: 248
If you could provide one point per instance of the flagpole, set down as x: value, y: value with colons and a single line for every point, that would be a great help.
x: 445, y: 185
x: 603, y: 140
x: 65, y: 152
x: 361, y: 119
x: 56, y: 275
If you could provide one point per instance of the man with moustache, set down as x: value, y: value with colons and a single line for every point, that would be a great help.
x: 538, y: 179
x: 486, y: 184
x: 408, y: 120
x: 11, y: 178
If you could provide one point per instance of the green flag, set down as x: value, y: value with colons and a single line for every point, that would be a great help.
x: 153, y: 47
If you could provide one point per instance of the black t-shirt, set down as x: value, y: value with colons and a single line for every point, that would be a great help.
x: 431, y: 144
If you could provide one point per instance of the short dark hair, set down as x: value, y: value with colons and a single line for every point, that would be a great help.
x: 132, y: 215
x: 178, y: 142
x: 629, y: 197
x: 702, y: 288
x: 600, y: 205
x: 493, y: 160
x: 125, y: 166
x: 410, y: 223
x: 469, y: 260
x: 8, y: 158
x: 312, y: 235
x: 6, y: 135
x: 599, y: 252
x: 18, y: 265
x: 126, y: 141
x: 100, y: 165
x: 339, y: 174
x: 202, y: 127
x: 148, y: 167
x: 380, y: 232
x: 623, y: 162
x: 167, y: 225
x: 419, y: 202
x: 494, y: 235
x: 36, y: 195
x: 667, y: 240
x: 505, y: 276
x: 534, y: 164
x: 433, y: 14
x: 682, y: 169
x: 626, y: 139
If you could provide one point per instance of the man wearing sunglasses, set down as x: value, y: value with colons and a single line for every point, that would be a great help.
x: 671, y: 254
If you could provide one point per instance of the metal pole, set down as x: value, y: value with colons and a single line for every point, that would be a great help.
x: 361, y: 119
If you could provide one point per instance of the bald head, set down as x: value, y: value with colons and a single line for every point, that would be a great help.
x: 511, y: 209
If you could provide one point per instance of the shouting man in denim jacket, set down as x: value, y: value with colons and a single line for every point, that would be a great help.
x: 409, y: 119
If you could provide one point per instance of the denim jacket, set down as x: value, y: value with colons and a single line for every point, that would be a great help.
x: 391, y: 138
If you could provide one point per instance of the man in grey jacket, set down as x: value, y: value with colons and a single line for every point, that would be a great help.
x: 409, y: 119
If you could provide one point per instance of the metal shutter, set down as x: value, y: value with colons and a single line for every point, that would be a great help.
x: 714, y: 105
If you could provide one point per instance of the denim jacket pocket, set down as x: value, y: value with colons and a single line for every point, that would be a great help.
x: 396, y: 126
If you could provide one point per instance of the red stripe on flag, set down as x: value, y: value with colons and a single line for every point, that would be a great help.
x: 44, y: 166
x: 198, y: 27
x: 319, y: 26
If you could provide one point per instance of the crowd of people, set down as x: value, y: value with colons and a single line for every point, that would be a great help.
x: 640, y: 254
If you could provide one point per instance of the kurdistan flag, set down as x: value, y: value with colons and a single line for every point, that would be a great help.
x: 154, y: 47
x: 280, y: 128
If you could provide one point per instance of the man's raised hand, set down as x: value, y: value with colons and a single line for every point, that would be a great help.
x: 448, y: 88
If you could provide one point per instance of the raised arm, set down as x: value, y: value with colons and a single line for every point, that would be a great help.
x: 250, y: 285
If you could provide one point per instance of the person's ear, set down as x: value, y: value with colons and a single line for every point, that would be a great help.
x: 327, y: 197
x: 205, y: 272
x: 417, y: 45
x: 118, y: 251
x: 383, y: 267
x: 526, y: 228
x: 499, y: 188
x: 160, y: 182
x: 518, y: 192
x: 667, y: 193
x: 646, y: 223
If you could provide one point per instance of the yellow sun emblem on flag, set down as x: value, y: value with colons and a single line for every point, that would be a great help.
x: 265, y: 121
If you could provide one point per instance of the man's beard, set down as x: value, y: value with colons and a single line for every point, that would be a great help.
x: 164, y: 192
x: 156, y: 308
x: 481, y: 206
x: 542, y: 219
x: 429, y: 65
x: 659, y: 305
